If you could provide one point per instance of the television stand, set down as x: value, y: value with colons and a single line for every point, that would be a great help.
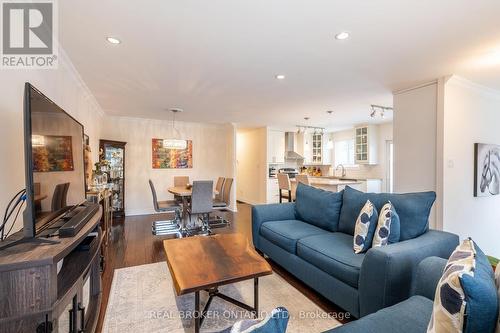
x: 34, y: 240
x: 52, y: 287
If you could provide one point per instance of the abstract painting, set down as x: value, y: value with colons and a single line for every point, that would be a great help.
x: 486, y: 170
x: 52, y: 153
x: 169, y: 158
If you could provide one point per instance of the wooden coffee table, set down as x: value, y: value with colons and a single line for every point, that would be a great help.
x: 204, y: 263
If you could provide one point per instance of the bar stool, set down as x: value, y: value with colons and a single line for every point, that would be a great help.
x: 304, y: 179
x: 284, y: 185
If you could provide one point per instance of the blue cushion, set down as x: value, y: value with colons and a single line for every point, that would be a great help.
x: 410, y: 316
x: 333, y: 254
x: 285, y: 234
x: 413, y: 210
x: 481, y: 296
x: 318, y: 207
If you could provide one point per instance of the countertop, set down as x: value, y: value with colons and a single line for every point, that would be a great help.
x: 329, y: 181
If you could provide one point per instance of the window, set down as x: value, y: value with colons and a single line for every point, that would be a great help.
x: 344, y: 153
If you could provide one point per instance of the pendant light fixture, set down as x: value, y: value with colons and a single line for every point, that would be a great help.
x: 174, y: 143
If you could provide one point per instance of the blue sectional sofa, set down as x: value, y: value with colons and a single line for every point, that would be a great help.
x: 313, y: 240
x: 410, y: 316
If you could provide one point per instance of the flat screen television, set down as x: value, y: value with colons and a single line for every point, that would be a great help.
x: 54, y: 158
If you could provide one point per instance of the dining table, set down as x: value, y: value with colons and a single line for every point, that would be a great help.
x: 184, y: 192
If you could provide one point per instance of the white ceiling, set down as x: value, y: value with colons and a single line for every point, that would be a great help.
x: 217, y: 59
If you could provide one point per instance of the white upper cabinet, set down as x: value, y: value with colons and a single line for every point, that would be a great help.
x: 366, y: 144
x: 275, y: 147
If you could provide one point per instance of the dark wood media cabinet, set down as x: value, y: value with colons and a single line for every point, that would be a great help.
x: 34, y: 297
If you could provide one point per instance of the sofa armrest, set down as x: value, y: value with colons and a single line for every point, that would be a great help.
x: 266, y: 213
x: 387, y: 272
x: 429, y: 272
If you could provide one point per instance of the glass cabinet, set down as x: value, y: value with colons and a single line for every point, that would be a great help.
x: 114, y: 153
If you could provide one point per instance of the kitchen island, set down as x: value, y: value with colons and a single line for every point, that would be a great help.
x: 328, y: 183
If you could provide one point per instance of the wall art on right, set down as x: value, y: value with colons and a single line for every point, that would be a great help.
x: 486, y: 170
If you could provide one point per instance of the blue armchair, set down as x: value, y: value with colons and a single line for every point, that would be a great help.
x: 410, y: 316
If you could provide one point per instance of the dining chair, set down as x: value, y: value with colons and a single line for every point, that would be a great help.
x: 166, y: 227
x: 59, y: 197
x: 219, y: 188
x: 180, y: 181
x: 201, y: 203
x: 284, y: 185
x: 222, y: 205
x: 225, y: 195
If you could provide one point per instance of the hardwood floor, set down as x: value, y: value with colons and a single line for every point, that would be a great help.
x: 132, y: 244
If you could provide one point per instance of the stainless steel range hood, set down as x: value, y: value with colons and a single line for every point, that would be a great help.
x: 290, y: 147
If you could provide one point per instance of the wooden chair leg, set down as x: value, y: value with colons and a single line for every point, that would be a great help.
x: 289, y: 196
x: 281, y: 196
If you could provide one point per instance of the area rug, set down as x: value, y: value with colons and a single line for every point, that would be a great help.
x: 142, y: 299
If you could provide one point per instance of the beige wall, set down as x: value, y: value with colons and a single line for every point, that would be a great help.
x: 65, y: 87
x: 213, y: 156
x: 471, y: 115
x: 415, y: 141
x: 435, y: 128
x: 251, y: 156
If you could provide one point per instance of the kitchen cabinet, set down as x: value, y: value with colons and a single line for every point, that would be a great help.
x: 272, y: 191
x: 314, y: 149
x: 327, y: 149
x: 275, y: 147
x: 366, y: 144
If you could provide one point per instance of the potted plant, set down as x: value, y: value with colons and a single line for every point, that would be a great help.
x: 493, y: 261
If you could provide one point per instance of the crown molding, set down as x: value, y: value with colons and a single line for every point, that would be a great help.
x: 463, y: 82
x: 66, y: 62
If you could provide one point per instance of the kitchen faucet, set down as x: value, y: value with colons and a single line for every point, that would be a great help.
x: 343, y: 169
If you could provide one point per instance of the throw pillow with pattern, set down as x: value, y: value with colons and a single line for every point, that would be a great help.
x: 466, y: 296
x: 365, y: 227
x: 388, y: 227
x: 449, y: 302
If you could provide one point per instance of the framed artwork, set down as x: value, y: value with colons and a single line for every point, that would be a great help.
x: 52, y: 153
x: 172, y: 158
x: 486, y: 170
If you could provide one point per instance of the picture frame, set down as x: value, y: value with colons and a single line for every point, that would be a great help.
x: 486, y: 170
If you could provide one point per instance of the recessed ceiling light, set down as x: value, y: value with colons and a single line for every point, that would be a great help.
x: 280, y: 77
x: 113, y: 40
x: 342, y: 35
